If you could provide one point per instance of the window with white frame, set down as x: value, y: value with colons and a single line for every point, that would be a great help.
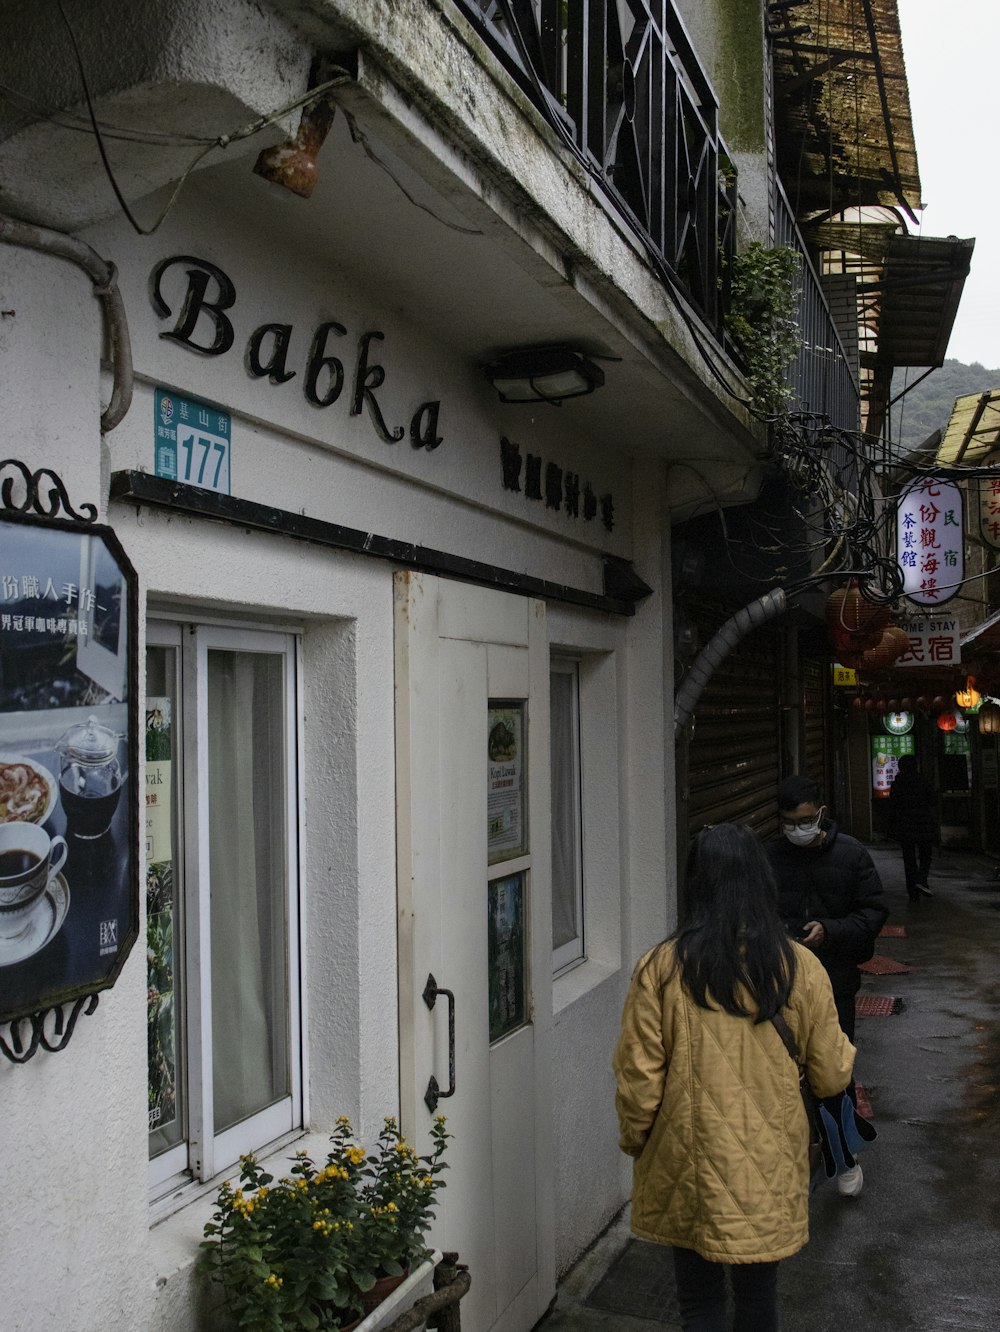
x: 567, y: 831
x: 222, y: 895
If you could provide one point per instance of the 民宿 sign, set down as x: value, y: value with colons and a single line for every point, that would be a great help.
x: 933, y: 642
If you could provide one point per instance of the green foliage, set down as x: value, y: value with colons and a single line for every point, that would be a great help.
x: 928, y: 405
x: 762, y: 318
x: 301, y: 1252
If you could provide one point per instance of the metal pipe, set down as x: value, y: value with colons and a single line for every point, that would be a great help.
x: 765, y: 608
x: 104, y: 276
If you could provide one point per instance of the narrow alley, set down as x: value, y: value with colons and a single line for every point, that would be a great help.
x: 917, y: 1251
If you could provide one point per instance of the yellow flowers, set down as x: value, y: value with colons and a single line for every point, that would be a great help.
x: 355, y: 1155
x: 275, y: 1282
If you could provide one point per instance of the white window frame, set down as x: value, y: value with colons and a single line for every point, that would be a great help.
x: 205, y: 1153
x: 573, y: 951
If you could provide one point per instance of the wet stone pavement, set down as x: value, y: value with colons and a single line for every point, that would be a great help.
x: 919, y: 1250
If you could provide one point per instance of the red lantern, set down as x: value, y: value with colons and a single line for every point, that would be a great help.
x: 938, y: 704
x: 906, y: 704
x: 894, y: 705
x: 848, y: 615
x: 869, y: 705
x: 923, y: 703
x: 947, y: 721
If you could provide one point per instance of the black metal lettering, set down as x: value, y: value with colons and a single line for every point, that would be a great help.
x: 318, y: 360
x: 608, y: 512
x: 274, y: 366
x: 510, y: 464
x: 196, y: 304
x: 533, y: 477
x: 553, y: 487
x: 423, y: 427
x: 366, y: 381
x: 589, y: 502
x: 571, y: 488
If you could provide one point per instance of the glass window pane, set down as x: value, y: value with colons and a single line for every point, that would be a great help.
x: 165, y: 991
x: 567, y: 923
x: 247, y: 799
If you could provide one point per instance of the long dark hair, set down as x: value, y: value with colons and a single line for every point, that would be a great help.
x: 731, y: 948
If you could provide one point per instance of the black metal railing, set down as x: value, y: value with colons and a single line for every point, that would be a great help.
x: 621, y: 83
x: 821, y: 376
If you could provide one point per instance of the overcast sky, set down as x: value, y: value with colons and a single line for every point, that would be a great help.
x: 951, y: 52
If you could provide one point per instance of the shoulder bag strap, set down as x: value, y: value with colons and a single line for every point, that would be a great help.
x: 785, y: 1032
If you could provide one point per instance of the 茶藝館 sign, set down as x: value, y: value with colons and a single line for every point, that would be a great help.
x: 69, y: 903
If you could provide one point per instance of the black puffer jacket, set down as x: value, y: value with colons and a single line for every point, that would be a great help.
x: 837, y: 884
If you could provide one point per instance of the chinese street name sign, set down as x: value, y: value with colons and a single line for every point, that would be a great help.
x: 930, y: 546
x: 844, y: 676
x: 191, y: 441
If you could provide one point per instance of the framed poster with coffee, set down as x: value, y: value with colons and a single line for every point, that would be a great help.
x: 69, y: 814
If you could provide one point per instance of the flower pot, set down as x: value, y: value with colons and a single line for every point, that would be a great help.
x: 382, y: 1289
x: 419, y: 1282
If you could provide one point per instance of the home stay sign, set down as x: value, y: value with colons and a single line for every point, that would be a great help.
x: 930, y: 541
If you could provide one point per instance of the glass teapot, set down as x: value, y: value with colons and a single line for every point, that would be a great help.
x: 90, y: 778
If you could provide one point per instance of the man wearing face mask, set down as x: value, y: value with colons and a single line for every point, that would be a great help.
x: 830, y: 898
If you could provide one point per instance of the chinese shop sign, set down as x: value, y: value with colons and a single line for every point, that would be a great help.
x: 989, y: 501
x: 886, y: 753
x: 930, y: 547
x: 933, y: 642
x: 69, y: 905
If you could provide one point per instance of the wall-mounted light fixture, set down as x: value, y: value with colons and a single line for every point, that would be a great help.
x: 293, y: 163
x: 543, y: 374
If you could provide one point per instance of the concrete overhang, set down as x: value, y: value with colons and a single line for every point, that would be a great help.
x: 445, y: 207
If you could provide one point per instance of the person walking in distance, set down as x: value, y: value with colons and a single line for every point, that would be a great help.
x: 830, y: 898
x: 708, y: 1100
x: 914, y: 822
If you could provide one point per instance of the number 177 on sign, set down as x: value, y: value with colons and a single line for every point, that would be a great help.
x: 203, y: 460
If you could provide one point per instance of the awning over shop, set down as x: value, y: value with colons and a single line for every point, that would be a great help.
x: 973, y: 431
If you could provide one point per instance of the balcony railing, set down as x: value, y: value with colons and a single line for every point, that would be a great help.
x: 821, y: 377
x: 621, y: 84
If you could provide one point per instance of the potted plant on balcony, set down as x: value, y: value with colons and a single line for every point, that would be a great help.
x: 318, y: 1248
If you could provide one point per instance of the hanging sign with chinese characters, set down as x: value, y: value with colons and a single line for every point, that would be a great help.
x: 989, y: 501
x: 932, y: 642
x: 930, y: 541
x: 69, y: 905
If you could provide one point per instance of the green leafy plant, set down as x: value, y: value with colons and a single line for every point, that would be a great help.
x: 301, y: 1252
x: 762, y: 319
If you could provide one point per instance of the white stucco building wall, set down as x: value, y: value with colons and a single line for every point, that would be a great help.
x: 89, y: 1247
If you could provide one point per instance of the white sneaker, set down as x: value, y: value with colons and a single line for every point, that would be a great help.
x: 851, y: 1182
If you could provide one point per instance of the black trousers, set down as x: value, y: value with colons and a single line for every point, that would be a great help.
x: 916, y: 863
x: 701, y: 1294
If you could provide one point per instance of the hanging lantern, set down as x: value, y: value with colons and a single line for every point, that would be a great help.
x: 989, y: 719
x: 923, y: 703
x: 968, y: 698
x: 897, y: 638
x: 938, y: 704
x: 849, y: 616
x: 947, y: 721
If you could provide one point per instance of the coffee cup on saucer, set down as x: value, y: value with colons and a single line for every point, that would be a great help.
x: 29, y: 858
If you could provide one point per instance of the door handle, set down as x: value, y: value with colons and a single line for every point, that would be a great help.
x: 434, y: 1093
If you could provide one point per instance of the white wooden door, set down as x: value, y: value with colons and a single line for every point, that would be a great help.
x: 471, y: 682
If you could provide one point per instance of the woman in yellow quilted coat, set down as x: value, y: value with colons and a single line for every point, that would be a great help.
x: 708, y: 1098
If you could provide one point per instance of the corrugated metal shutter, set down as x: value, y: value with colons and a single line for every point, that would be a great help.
x: 815, y: 738
x: 734, y: 756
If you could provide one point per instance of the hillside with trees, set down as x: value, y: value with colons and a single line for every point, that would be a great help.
x: 927, y: 406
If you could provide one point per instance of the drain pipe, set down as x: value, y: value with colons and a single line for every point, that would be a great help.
x: 104, y: 276
x: 765, y: 608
